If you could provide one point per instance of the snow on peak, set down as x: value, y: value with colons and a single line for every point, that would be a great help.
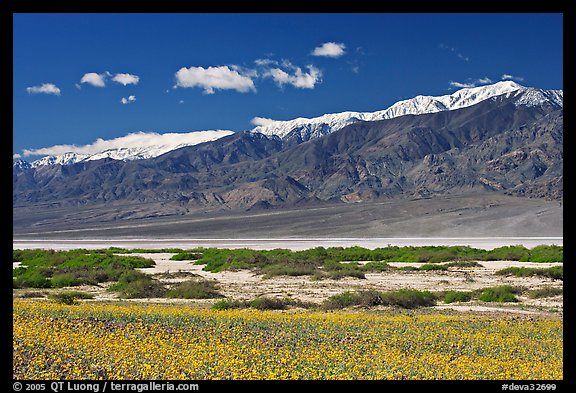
x: 134, y: 146
x: 325, y: 124
x: 62, y: 159
x: 21, y: 164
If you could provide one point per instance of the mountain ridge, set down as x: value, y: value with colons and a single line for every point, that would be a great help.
x: 299, y: 130
x: 493, y: 146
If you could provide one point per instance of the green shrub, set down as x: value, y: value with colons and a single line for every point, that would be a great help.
x: 369, y: 298
x: 268, y: 303
x: 431, y: 266
x: 405, y: 298
x: 409, y: 268
x: 376, y: 266
x: 225, y: 304
x: 186, y: 256
x: 545, y: 292
x: 457, y: 296
x: 286, y: 270
x: 408, y: 298
x: 71, y: 268
x: 65, y: 280
x: 554, y: 272
x: 500, y: 294
x: 340, y: 300
x: 194, y: 289
x: 70, y: 297
x: 260, y: 303
x: 29, y: 278
x: 133, y: 284
x: 544, y: 253
x: 507, y: 253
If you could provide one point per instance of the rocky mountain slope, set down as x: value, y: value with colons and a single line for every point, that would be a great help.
x: 509, y: 143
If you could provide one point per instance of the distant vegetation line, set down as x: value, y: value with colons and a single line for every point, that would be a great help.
x: 222, y: 259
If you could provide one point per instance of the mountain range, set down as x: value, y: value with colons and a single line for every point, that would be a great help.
x: 500, y: 138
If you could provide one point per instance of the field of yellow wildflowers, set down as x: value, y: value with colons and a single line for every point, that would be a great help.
x: 127, y: 341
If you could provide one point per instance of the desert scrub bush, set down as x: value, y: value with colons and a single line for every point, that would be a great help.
x: 432, y: 266
x: 554, y: 272
x: 340, y: 300
x: 65, y: 280
x: 376, y: 266
x: 408, y: 298
x: 544, y: 253
x: 69, y: 297
x: 120, y: 250
x: 544, y: 292
x: 186, y: 256
x: 287, y: 270
x: 405, y: 298
x: 261, y: 303
x: 29, y: 278
x: 227, y: 304
x: 500, y: 294
x: 133, y: 284
x: 456, y: 296
x: 194, y: 289
x: 510, y: 253
x: 216, y: 260
x: 48, y: 268
x: 32, y: 294
x: 408, y: 268
x: 271, y: 303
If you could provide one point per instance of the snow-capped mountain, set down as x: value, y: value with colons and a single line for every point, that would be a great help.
x: 306, y: 129
x: 62, y: 159
x: 150, y: 148
x: 303, y: 129
x: 21, y: 164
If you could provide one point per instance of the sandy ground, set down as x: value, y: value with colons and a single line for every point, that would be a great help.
x: 243, y: 284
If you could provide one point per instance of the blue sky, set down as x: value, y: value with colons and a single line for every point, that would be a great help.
x: 80, y: 77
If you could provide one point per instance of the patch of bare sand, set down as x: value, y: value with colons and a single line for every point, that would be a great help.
x: 244, y: 284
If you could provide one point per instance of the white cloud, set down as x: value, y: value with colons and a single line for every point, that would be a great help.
x: 94, y: 79
x: 181, y: 101
x: 300, y: 79
x: 261, y: 121
x: 16, y: 156
x: 128, y: 100
x: 512, y: 77
x: 126, y: 79
x: 214, y: 78
x: 461, y: 85
x: 484, y: 80
x: 248, y: 72
x: 355, y: 69
x: 329, y: 49
x: 461, y: 56
x: 472, y: 82
x: 265, y: 62
x: 167, y: 141
x: 455, y: 51
x: 45, y: 88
